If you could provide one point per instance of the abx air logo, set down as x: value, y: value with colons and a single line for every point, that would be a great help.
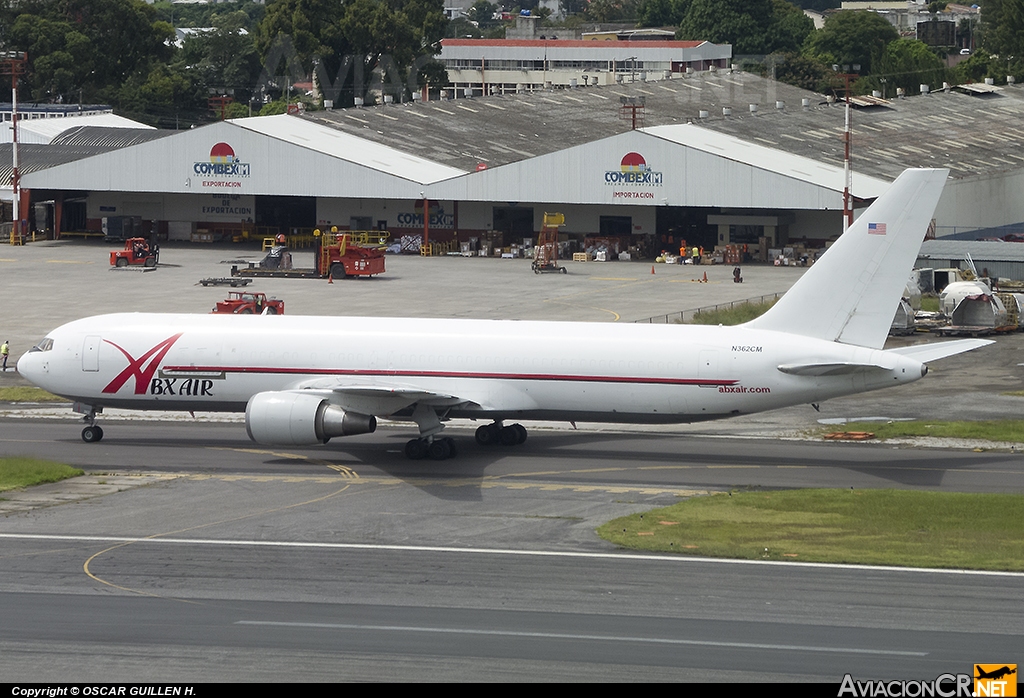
x: 995, y: 680
x: 139, y: 368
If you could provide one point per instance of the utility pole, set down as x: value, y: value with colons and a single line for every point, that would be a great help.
x: 13, y: 63
x: 847, y: 161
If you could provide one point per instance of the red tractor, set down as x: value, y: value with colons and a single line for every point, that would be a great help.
x: 249, y: 303
x: 136, y: 251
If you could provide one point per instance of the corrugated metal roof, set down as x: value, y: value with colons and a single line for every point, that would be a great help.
x: 45, y: 130
x: 936, y: 130
x: 979, y: 250
x: 979, y: 88
x: 108, y: 138
x: 771, y: 159
x: 33, y: 157
x: 348, y: 147
x: 869, y: 101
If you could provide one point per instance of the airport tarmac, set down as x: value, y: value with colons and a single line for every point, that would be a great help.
x: 196, y: 556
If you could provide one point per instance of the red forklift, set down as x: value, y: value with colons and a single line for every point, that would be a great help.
x: 137, y: 251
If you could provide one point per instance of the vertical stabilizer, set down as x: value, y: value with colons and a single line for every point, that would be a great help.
x: 850, y: 294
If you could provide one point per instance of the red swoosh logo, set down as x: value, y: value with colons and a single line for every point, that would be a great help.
x: 142, y: 374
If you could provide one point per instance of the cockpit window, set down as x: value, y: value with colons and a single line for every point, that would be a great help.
x: 45, y: 345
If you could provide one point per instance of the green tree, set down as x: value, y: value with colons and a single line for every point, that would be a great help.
x: 851, y: 38
x: 224, y: 56
x: 789, y: 27
x: 661, y: 13
x: 905, y: 63
x: 1003, y: 23
x: 344, y: 42
x: 752, y: 26
x: 801, y: 71
x: 737, y: 22
x: 85, y: 48
x: 482, y: 12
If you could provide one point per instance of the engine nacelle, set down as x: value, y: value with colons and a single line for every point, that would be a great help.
x: 298, y: 419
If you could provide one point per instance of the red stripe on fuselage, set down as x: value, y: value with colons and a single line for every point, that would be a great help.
x: 394, y: 373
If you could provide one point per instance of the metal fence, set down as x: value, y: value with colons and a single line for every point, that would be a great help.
x: 685, y: 316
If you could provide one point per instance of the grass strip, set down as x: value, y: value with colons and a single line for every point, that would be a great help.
x: 1006, y: 430
x: 737, y: 314
x: 23, y: 393
x: 869, y: 527
x: 16, y: 473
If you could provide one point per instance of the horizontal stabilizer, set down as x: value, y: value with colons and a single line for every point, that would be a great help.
x: 940, y: 350
x: 831, y: 369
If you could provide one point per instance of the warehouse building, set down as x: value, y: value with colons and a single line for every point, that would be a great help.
x: 709, y: 157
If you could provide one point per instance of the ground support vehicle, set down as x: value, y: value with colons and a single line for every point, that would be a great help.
x: 338, y: 254
x: 136, y: 251
x: 225, y: 281
x: 545, y: 255
x: 249, y: 303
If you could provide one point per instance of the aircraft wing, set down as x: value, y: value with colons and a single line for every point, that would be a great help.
x: 384, y: 400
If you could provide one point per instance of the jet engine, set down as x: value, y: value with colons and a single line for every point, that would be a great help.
x: 280, y: 418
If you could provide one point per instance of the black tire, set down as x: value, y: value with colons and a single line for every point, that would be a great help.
x: 121, y: 262
x: 453, y: 450
x: 338, y: 271
x: 416, y: 449
x: 520, y: 433
x: 150, y: 262
x: 245, y: 311
x: 564, y: 270
x: 271, y: 310
x: 439, y: 449
x: 509, y: 436
x: 91, y: 435
x: 487, y: 435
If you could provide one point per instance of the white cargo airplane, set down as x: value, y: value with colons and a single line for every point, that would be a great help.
x: 305, y: 380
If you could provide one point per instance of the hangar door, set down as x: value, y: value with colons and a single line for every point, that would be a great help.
x: 286, y: 211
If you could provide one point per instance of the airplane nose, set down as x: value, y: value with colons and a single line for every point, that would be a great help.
x: 28, y: 366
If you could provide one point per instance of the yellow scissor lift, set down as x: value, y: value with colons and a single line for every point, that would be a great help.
x: 545, y: 254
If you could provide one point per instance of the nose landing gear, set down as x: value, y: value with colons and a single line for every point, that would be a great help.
x: 91, y: 433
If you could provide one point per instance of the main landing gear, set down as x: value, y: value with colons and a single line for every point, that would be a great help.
x: 493, y: 434
x: 435, y: 449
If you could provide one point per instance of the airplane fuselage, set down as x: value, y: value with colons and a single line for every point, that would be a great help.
x: 604, y: 372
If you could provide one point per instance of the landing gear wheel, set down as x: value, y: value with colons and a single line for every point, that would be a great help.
x: 509, y: 436
x: 416, y: 449
x: 520, y: 433
x: 453, y: 450
x: 91, y: 435
x: 488, y: 435
x: 439, y: 449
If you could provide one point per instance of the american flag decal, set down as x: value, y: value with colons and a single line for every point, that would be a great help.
x: 876, y: 228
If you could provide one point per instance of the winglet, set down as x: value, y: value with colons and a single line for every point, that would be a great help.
x: 850, y: 294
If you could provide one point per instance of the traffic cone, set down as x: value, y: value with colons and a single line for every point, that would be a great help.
x: 705, y: 278
x: 330, y: 278
x: 652, y: 268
